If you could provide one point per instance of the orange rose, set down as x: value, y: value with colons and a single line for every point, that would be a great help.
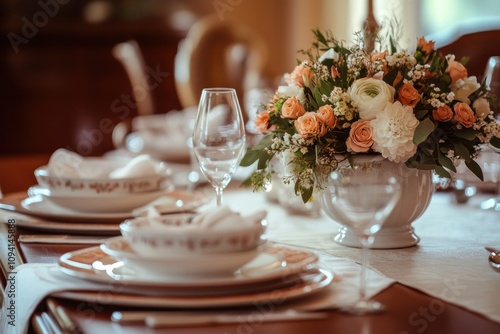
x: 426, y: 46
x: 311, y: 124
x: 360, y: 137
x: 380, y: 56
x: 300, y: 74
x: 292, y: 108
x: 456, y: 71
x: 442, y: 114
x: 329, y: 116
x: 263, y: 122
x: 335, y: 72
x: 463, y: 114
x: 408, y: 95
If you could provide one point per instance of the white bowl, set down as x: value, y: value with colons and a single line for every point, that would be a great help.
x: 175, y: 234
x: 98, y: 204
x: 102, y: 185
x: 181, y: 265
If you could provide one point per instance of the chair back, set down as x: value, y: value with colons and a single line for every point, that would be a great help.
x: 218, y: 53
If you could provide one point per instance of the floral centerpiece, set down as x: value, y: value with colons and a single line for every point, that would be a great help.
x: 418, y: 108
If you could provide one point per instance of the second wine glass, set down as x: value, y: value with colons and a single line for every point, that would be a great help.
x: 361, y: 197
x: 219, y: 137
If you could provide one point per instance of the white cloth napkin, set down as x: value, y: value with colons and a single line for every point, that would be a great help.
x: 163, y: 136
x: 65, y: 163
x: 33, y: 282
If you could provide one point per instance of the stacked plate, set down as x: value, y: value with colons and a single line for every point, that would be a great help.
x: 218, y: 258
x: 276, y: 274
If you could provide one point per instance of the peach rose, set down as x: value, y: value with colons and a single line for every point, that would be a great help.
x: 408, y: 95
x: 426, y: 46
x: 456, y: 70
x: 360, y: 137
x: 328, y: 115
x: 263, y: 122
x: 463, y: 114
x: 311, y: 124
x: 300, y: 75
x: 292, y: 108
x: 442, y: 114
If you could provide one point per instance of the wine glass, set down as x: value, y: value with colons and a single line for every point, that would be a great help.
x: 492, y: 80
x: 361, y: 197
x: 219, y: 137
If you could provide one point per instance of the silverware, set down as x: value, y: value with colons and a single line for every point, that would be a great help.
x: 176, y: 319
x: 61, y: 239
x: 62, y: 318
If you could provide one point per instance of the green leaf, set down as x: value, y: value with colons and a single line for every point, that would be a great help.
x: 442, y: 172
x: 445, y: 161
x: 495, y: 141
x: 475, y: 168
x: 264, y: 142
x: 423, y: 130
x: 306, y: 194
x: 317, y: 97
x: 420, y: 114
x: 462, y: 151
x: 263, y: 160
x: 466, y: 133
x: 250, y: 157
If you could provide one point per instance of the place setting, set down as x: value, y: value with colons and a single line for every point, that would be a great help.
x: 215, y: 259
x: 95, y: 194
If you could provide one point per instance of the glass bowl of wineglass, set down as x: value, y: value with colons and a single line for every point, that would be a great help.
x: 361, y: 197
x: 219, y: 137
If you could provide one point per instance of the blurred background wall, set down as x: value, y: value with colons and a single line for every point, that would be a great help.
x: 61, y: 87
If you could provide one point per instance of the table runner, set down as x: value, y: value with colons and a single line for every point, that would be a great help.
x: 450, y: 262
x: 33, y: 282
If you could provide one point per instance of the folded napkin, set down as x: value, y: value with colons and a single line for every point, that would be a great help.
x: 163, y: 136
x: 34, y: 282
x: 64, y: 163
x: 223, y: 218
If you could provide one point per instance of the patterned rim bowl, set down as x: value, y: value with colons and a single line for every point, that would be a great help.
x: 102, y: 185
x: 176, y: 234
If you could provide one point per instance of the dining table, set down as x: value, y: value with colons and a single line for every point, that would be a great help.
x: 444, y: 284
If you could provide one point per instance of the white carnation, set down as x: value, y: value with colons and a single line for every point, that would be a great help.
x: 393, y: 130
x: 371, y: 96
x: 292, y: 91
x: 464, y: 87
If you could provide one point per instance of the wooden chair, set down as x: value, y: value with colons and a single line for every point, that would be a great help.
x: 218, y: 53
x: 478, y: 39
x: 130, y: 56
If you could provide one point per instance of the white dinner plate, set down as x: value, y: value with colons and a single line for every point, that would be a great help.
x: 71, y: 228
x: 279, y: 265
x: 308, y: 284
x: 98, y: 204
x: 41, y: 207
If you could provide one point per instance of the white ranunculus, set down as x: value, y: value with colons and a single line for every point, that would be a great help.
x: 482, y: 108
x: 292, y: 91
x: 464, y: 87
x: 371, y: 96
x: 330, y: 54
x: 393, y: 131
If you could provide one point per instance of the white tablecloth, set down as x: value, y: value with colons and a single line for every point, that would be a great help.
x: 450, y: 262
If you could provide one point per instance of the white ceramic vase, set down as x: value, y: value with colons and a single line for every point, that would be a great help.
x: 397, y: 231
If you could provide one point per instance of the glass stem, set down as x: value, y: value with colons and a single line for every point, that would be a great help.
x: 218, y: 194
x: 365, y: 244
